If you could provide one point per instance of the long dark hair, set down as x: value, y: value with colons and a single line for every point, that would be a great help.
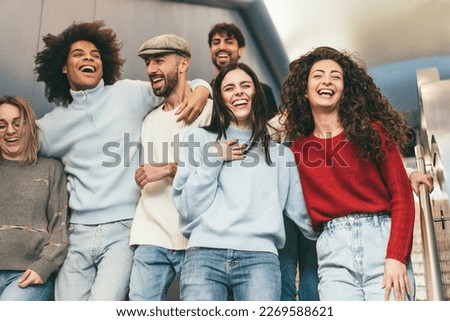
x: 222, y: 116
x: 51, y: 60
x: 361, y: 104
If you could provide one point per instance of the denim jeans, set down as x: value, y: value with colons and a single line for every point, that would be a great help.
x: 352, y: 254
x: 302, y: 251
x: 10, y: 290
x: 98, y: 263
x: 154, y: 269
x: 208, y: 274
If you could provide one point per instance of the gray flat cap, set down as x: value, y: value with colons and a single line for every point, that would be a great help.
x: 167, y: 43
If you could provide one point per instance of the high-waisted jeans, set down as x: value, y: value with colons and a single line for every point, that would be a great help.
x: 351, y: 254
x: 208, y: 274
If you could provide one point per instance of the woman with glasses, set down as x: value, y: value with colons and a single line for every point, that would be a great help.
x: 33, y: 208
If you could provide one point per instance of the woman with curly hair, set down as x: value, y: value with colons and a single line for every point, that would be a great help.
x: 347, y: 140
x: 96, y: 134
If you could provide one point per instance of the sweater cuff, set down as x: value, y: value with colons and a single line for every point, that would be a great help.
x: 44, y: 268
x: 409, y: 171
x: 397, y: 256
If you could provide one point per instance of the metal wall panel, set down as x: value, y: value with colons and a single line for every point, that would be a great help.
x: 19, y: 33
x: 24, y: 23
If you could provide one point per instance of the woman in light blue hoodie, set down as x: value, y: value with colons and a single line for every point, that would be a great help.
x: 232, y: 187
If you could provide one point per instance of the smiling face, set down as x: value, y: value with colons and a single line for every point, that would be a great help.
x: 224, y: 50
x: 325, y: 85
x: 237, y: 90
x: 84, y: 66
x: 163, y: 71
x: 11, y: 133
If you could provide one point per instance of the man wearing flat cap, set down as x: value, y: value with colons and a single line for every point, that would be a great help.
x: 155, y: 235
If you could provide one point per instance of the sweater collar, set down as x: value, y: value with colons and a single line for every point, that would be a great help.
x: 243, y: 135
x: 87, y: 96
x: 11, y: 163
x: 339, y: 136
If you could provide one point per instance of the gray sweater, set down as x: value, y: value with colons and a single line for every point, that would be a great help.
x: 33, y: 215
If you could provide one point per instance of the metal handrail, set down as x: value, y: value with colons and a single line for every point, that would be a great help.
x: 431, y: 258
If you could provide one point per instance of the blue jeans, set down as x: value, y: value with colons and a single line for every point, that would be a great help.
x: 352, y: 252
x: 154, y: 269
x: 298, y: 249
x: 98, y: 263
x: 10, y: 290
x: 208, y: 274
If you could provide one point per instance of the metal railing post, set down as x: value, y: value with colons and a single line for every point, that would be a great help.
x: 431, y: 258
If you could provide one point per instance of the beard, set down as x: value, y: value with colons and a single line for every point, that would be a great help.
x: 220, y: 65
x: 170, y: 81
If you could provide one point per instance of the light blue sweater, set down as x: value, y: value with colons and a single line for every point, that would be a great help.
x: 97, y: 138
x: 238, y: 204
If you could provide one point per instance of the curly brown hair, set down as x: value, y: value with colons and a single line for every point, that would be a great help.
x: 360, y: 106
x: 51, y: 60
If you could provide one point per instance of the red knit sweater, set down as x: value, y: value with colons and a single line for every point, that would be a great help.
x: 336, y: 182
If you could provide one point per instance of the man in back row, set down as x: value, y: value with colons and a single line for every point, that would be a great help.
x: 226, y: 44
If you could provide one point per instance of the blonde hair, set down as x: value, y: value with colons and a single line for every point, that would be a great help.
x: 30, y: 131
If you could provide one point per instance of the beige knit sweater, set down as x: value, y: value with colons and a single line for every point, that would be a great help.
x: 156, y: 221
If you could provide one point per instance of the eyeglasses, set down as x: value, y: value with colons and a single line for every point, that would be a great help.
x: 16, y: 123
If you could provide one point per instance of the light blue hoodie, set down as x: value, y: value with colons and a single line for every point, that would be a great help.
x: 237, y: 204
x: 97, y: 137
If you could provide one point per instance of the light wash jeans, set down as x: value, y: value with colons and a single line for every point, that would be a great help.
x: 154, y: 269
x: 208, y: 274
x: 98, y: 263
x: 298, y: 249
x: 10, y: 290
x: 352, y: 252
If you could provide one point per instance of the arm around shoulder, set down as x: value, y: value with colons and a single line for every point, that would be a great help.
x: 195, y: 103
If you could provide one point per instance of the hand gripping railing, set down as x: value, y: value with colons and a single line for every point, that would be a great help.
x: 431, y: 258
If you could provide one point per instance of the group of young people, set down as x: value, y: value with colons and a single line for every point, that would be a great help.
x: 210, y: 198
